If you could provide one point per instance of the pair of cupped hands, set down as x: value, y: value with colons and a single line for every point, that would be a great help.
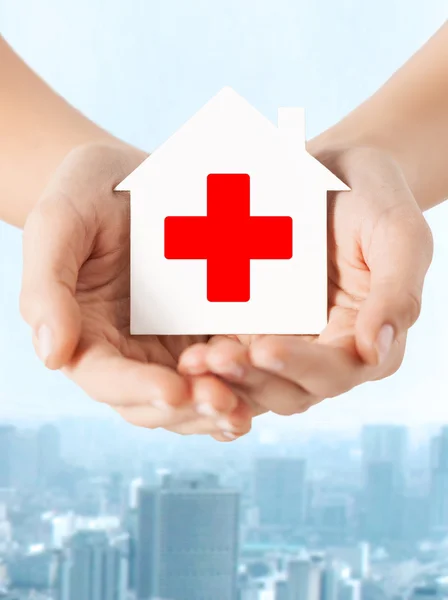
x: 75, y: 296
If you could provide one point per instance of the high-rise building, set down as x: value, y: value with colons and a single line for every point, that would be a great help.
x: 438, y: 497
x: 187, y: 540
x: 350, y: 589
x: 384, y: 452
x: 92, y: 567
x: 48, y: 452
x: 355, y: 556
x: 28, y: 457
x: 304, y: 579
x: 333, y: 516
x: 131, y: 525
x: 330, y: 581
x: 280, y: 492
x: 386, y: 443
x: 381, y: 501
x: 281, y: 590
x: 134, y: 491
x: 8, y: 436
x: 25, y: 460
x: 361, y: 566
x: 250, y: 590
x: 31, y: 570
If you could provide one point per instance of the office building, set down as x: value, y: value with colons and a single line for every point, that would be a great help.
x: 350, y: 589
x: 31, y: 570
x: 92, y: 567
x: 330, y: 581
x: 25, y: 461
x: 304, y: 579
x: 281, y: 590
x: 280, y: 493
x: 48, y: 453
x: 386, y: 443
x: 384, y: 453
x: 187, y: 540
x: 438, y: 496
x: 8, y: 436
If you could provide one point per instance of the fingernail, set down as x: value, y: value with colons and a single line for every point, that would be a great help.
x: 207, y: 410
x: 44, y: 342
x: 384, y: 342
x: 225, y: 425
x: 161, y: 405
x: 229, y: 435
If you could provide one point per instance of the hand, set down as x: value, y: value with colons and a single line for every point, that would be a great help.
x: 380, y: 248
x: 75, y: 296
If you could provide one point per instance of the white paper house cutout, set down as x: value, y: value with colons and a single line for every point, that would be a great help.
x: 228, y: 136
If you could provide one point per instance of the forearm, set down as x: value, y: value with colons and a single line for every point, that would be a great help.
x: 38, y: 129
x: 408, y: 118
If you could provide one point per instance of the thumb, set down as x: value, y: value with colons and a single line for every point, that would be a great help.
x: 399, y: 256
x: 53, y: 237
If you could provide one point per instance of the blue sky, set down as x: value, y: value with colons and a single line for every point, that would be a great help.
x: 141, y: 67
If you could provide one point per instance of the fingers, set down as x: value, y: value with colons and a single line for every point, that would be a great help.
x: 150, y: 395
x: 399, y: 256
x: 230, y: 360
x: 213, y: 399
x: 323, y: 371
x: 52, y: 239
x: 239, y: 423
x: 226, y: 418
x: 108, y: 377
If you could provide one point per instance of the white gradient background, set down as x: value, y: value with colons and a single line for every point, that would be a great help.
x: 141, y: 67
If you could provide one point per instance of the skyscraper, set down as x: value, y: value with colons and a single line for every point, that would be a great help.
x: 25, y: 460
x: 439, y: 484
x: 381, y: 502
x: 187, y: 540
x: 304, y: 579
x: 281, y: 590
x: 330, y: 581
x: 92, y: 567
x: 280, y: 492
x: 386, y: 443
x: 350, y: 589
x: 48, y: 452
x: 8, y: 436
x: 384, y: 452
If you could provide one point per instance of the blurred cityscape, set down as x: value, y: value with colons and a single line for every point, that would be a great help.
x: 100, y: 510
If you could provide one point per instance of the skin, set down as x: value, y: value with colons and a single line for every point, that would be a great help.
x: 75, y: 283
x: 75, y: 294
x: 380, y: 248
x: 75, y: 290
x: 391, y: 151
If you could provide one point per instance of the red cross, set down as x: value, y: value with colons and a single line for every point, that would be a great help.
x: 228, y: 238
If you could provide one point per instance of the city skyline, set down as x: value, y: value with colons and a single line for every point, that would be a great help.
x: 257, y: 526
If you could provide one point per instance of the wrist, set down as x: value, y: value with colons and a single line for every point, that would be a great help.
x: 345, y: 137
x: 106, y: 151
x: 333, y: 144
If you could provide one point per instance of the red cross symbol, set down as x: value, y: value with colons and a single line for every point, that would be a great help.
x: 228, y: 238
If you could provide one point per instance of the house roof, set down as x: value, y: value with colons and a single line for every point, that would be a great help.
x: 228, y: 103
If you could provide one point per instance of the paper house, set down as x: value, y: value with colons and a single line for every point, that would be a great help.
x: 229, y: 226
